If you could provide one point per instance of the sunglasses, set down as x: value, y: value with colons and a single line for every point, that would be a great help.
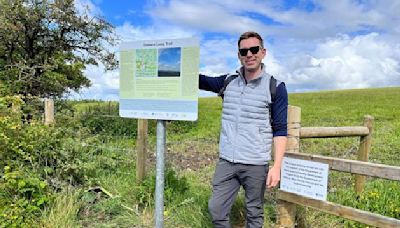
x: 253, y: 50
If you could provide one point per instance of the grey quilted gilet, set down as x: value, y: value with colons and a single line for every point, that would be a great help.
x: 246, y: 133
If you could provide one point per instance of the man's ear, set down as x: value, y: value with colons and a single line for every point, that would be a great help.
x: 264, y: 51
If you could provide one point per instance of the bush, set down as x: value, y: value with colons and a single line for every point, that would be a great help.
x: 23, y: 195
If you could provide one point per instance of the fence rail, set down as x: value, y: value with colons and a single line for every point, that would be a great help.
x: 353, y: 166
x: 340, y: 210
x: 327, y: 132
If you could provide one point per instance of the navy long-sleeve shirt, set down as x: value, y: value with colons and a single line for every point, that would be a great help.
x: 278, y: 107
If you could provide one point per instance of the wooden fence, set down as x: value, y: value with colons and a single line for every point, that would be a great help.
x: 287, y: 201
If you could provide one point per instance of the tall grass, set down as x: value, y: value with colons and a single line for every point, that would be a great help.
x: 63, y: 211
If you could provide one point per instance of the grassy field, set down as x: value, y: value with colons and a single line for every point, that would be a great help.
x: 192, y: 152
x: 328, y: 108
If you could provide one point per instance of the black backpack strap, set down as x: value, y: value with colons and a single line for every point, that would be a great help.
x: 272, y: 89
x: 228, y: 79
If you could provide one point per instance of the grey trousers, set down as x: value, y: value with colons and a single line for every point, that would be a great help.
x: 227, y: 180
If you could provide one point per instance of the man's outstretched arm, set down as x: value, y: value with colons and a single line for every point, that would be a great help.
x: 213, y: 84
x: 279, y: 126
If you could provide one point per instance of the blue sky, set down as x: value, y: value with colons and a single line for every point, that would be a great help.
x: 312, y: 45
x: 169, y: 59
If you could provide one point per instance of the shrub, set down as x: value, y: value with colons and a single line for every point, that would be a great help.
x: 23, y: 195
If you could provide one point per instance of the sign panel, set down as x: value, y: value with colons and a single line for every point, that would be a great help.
x: 304, y: 178
x: 159, y: 79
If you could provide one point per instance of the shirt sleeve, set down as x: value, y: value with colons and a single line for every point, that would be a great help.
x: 279, y: 111
x: 213, y: 84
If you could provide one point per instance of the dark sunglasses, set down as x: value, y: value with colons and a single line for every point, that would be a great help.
x: 253, y: 50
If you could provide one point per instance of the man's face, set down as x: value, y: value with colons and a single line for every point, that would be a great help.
x: 251, y: 61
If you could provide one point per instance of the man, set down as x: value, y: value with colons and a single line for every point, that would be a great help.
x: 247, y: 131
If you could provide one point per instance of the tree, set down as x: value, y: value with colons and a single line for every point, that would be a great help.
x: 46, y: 44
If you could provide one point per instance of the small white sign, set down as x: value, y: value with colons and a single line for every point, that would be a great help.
x: 305, y: 178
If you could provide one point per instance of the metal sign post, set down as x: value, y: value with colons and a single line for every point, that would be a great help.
x: 161, y: 139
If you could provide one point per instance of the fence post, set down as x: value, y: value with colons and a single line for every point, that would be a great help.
x: 286, y: 210
x: 15, y: 107
x: 363, y: 152
x: 141, y: 149
x: 48, y: 111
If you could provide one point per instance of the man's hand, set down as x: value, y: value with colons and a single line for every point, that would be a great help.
x: 274, y: 176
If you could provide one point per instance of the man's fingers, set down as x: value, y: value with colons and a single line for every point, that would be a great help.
x: 272, y: 182
x: 268, y: 183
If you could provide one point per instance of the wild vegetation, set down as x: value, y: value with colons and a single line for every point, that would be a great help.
x: 80, y: 172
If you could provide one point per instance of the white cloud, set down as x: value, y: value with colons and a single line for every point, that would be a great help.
x: 327, y: 19
x: 344, y: 62
x: 105, y: 84
x: 218, y: 56
x: 129, y: 32
x: 205, y: 16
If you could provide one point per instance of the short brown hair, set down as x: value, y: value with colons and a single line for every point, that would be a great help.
x: 250, y: 34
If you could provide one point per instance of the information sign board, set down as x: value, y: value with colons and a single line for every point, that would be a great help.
x: 159, y: 79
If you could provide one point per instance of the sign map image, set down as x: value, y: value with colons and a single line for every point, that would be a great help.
x: 146, y: 63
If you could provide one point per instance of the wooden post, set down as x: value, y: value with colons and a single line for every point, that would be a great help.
x: 363, y: 151
x: 15, y: 107
x: 141, y: 149
x: 48, y: 111
x: 286, y: 210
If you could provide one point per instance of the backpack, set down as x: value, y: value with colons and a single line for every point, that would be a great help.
x: 272, y: 89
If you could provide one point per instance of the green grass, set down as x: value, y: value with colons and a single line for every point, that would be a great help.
x: 189, y: 208
x: 63, y: 211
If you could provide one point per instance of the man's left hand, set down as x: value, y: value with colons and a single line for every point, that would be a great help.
x: 274, y: 176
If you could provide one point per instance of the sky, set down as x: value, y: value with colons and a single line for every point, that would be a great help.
x: 311, y: 45
x: 169, y: 59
